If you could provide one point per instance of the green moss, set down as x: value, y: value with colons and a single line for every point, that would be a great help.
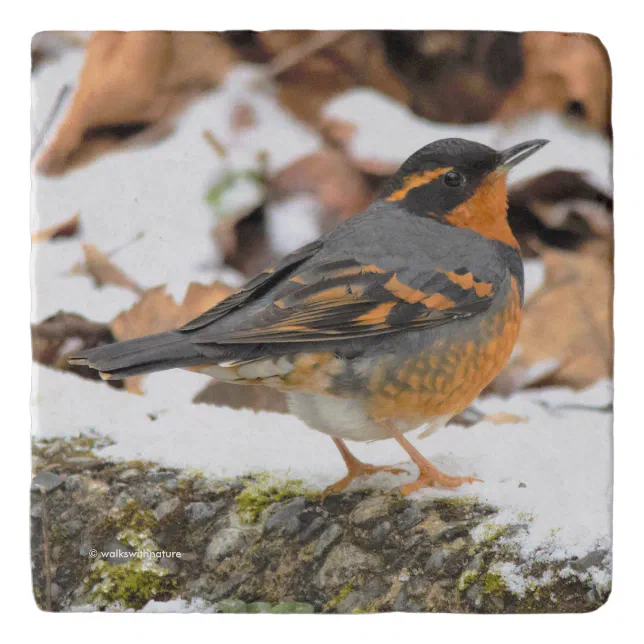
x: 492, y: 532
x: 457, y: 501
x: 467, y: 579
x: 129, y: 585
x: 58, y: 449
x: 292, y: 607
x: 493, y: 584
x: 264, y: 490
x: 230, y: 180
x: 332, y: 604
x: 232, y: 606
x: 131, y: 517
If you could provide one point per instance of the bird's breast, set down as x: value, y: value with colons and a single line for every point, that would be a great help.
x: 447, y: 375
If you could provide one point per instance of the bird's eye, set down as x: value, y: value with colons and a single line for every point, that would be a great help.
x: 452, y: 179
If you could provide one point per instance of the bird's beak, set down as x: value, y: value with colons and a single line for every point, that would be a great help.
x: 517, y: 153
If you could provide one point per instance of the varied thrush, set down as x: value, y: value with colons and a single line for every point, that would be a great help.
x: 396, y: 319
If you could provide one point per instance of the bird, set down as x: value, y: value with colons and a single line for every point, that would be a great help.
x: 395, y: 320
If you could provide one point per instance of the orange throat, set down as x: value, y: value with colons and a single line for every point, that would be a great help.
x: 485, y: 211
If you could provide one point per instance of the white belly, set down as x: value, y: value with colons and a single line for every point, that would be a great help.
x: 347, y: 417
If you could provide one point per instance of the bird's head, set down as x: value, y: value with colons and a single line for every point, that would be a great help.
x: 460, y: 183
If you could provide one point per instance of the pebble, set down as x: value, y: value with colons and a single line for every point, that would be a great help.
x: 371, y: 509
x: 292, y: 607
x: 199, y: 511
x: 285, y: 520
x: 313, y: 529
x: 594, y: 558
x: 259, y: 607
x: 343, y: 563
x: 328, y: 538
x: 410, y: 517
x: 83, y: 462
x: 380, y: 532
x: 436, y: 561
x: 161, y: 477
x: 46, y: 482
x: 76, y: 483
x: 232, y: 606
x: 129, y: 475
x: 166, y: 508
x: 225, y: 543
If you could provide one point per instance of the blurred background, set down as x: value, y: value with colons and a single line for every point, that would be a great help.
x: 195, y: 159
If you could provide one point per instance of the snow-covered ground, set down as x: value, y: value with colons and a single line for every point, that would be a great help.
x: 555, y: 467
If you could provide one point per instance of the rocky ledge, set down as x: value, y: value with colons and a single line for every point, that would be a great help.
x: 117, y: 536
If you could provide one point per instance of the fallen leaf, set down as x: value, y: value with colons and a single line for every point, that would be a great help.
x: 567, y: 325
x: 157, y: 311
x: 242, y: 117
x: 455, y: 76
x: 99, y: 267
x: 568, y: 73
x: 62, y: 334
x: 132, y: 84
x: 329, y: 175
x: 503, y: 418
x: 67, y: 228
x: 256, y: 397
x: 312, y: 77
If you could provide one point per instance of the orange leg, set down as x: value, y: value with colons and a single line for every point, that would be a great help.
x: 356, y: 469
x: 429, y: 474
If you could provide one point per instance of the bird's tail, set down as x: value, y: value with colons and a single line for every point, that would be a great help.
x: 141, y: 355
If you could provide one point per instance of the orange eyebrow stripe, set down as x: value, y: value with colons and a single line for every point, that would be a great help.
x: 404, y: 292
x: 297, y: 279
x: 376, y: 315
x: 415, y: 181
x: 467, y: 282
x: 438, y: 301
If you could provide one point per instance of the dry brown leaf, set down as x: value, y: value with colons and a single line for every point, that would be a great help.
x: 156, y: 312
x: 503, y: 418
x: 67, y: 228
x: 99, y: 267
x: 257, y: 397
x: 567, y: 325
x: 455, y: 76
x: 243, y: 117
x: 329, y: 175
x: 133, y: 82
x: 356, y: 58
x: 62, y: 334
x: 571, y: 210
x: 567, y: 73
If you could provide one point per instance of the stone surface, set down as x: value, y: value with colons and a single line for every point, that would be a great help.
x: 372, y: 509
x: 328, y: 538
x: 286, y: 520
x: 199, y: 511
x: 343, y: 563
x: 356, y: 552
x: 166, y: 508
x: 46, y: 482
x: 225, y: 543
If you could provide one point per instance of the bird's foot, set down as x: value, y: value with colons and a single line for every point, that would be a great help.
x: 431, y: 475
x: 357, y: 470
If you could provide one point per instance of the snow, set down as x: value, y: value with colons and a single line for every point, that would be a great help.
x: 388, y: 131
x: 556, y: 467
x: 159, y: 189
